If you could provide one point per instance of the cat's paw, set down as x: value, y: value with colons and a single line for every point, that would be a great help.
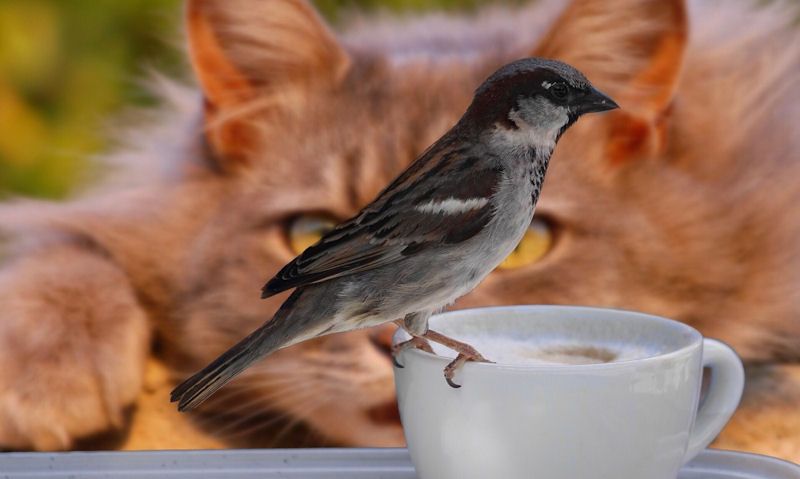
x: 72, y: 349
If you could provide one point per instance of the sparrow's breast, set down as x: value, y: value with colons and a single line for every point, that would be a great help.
x: 514, y: 204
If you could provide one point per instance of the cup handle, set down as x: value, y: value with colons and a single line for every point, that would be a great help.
x: 724, y: 393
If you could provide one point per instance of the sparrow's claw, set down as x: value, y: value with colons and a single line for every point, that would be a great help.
x: 415, y: 342
x: 451, y: 383
x: 396, y: 362
x: 455, y: 365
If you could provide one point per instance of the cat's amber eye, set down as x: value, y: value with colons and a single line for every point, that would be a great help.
x: 534, y: 245
x: 306, y: 230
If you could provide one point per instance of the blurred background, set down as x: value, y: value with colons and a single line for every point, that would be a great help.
x: 67, y: 66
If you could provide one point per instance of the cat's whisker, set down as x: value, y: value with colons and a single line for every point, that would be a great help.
x: 255, y: 386
x: 315, y: 404
x: 295, y: 418
x: 247, y: 416
x: 306, y: 395
x: 256, y: 403
x: 229, y: 429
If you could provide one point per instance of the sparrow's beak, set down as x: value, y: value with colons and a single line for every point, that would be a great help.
x: 595, y: 101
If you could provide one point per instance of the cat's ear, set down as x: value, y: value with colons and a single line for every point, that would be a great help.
x: 253, y: 55
x: 633, y: 50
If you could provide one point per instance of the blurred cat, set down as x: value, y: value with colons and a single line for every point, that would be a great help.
x: 684, y: 204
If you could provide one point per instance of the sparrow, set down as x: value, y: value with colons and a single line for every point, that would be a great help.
x: 433, y: 234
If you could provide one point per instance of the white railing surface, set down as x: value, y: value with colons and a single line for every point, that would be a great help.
x: 310, y: 464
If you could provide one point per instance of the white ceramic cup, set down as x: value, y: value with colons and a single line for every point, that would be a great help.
x: 625, y: 419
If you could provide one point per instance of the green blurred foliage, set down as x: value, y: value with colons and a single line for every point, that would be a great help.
x: 66, y: 66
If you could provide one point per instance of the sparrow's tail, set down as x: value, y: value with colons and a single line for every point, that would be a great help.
x: 267, y: 339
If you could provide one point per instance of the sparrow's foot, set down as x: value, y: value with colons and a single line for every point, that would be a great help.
x: 465, y: 353
x: 451, y: 369
x: 414, y: 342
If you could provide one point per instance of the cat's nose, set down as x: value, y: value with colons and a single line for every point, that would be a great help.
x: 381, y: 338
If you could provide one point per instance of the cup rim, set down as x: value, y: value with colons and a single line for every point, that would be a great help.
x: 696, y: 340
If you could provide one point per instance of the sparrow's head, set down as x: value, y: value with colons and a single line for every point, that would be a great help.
x: 537, y: 97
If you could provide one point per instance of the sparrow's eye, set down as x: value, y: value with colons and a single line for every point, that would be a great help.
x: 534, y: 245
x: 305, y: 230
x: 559, y: 90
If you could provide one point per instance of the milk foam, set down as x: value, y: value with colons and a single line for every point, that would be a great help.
x: 553, y: 350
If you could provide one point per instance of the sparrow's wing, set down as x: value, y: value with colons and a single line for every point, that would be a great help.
x: 433, y: 203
